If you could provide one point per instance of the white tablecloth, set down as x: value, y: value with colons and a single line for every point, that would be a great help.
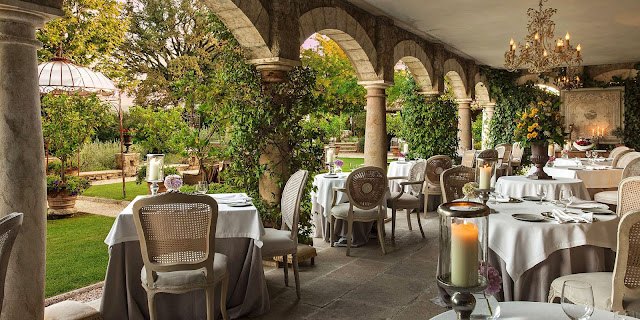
x: 522, y: 245
x: 592, y: 176
x: 233, y: 222
x: 520, y: 186
x: 398, y: 169
x: 534, y: 311
x: 572, y: 162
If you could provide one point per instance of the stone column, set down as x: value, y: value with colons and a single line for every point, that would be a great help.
x: 487, y: 114
x: 464, y: 124
x: 22, y: 173
x: 375, y: 143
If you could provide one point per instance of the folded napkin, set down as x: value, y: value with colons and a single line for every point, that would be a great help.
x: 231, y: 198
x: 567, y: 217
x: 577, y: 203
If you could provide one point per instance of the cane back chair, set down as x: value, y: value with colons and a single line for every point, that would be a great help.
x: 436, y: 165
x: 408, y: 198
x: 631, y: 169
x: 452, y: 181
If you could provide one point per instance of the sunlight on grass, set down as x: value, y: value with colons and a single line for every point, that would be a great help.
x: 114, y: 190
x: 76, y: 253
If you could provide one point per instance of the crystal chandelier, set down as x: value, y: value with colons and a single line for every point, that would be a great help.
x: 541, y: 52
x: 567, y: 79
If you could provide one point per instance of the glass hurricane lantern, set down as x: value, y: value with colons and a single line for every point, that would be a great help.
x: 464, y: 231
x: 486, y: 163
x: 155, y: 171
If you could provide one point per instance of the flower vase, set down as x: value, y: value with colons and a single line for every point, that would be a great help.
x: 487, y: 307
x: 539, y: 157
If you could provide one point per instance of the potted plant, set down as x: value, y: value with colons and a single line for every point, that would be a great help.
x: 142, y: 176
x: 583, y: 144
x: 67, y: 121
x: 537, y: 126
x: 126, y: 138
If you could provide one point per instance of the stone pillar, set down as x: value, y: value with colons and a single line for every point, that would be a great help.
x: 22, y: 173
x: 375, y: 143
x: 487, y: 113
x: 464, y: 124
x: 131, y: 162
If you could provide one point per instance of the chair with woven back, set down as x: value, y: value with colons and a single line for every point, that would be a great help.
x: 468, y: 158
x: 436, y: 165
x: 9, y: 228
x: 617, y: 150
x: 622, y: 158
x: 177, y: 241
x: 284, y: 242
x: 366, y: 189
x: 452, y: 180
x: 611, y: 288
x: 631, y: 162
x: 503, y: 166
x: 517, y: 152
x: 408, y: 198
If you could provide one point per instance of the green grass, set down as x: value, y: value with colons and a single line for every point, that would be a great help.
x: 351, y: 164
x: 76, y: 253
x: 114, y: 190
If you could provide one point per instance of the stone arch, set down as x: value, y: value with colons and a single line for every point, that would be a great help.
x: 248, y: 21
x: 347, y: 32
x: 622, y: 73
x: 457, y: 78
x: 409, y: 52
x: 482, y: 93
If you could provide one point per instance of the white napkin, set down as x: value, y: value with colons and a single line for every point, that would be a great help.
x: 567, y: 217
x: 231, y: 198
x: 577, y: 203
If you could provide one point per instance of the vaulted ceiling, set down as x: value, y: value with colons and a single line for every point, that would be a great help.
x: 608, y: 30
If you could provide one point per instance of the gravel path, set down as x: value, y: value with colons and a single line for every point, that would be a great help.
x: 103, y: 207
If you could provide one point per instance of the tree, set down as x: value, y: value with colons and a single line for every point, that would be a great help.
x: 157, y: 129
x: 90, y: 33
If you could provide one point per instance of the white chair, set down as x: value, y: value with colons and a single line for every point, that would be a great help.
x: 517, y: 151
x: 9, y: 227
x: 617, y: 150
x: 284, y: 242
x: 436, y: 165
x: 452, y: 180
x: 408, y: 200
x: 469, y: 158
x: 177, y: 240
x: 611, y: 288
x: 503, y: 166
x: 631, y: 163
x: 618, y: 156
x: 366, y: 189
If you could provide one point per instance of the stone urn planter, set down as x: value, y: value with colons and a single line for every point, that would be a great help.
x: 539, y: 157
x: 161, y: 186
x: 126, y: 141
x: 61, y: 204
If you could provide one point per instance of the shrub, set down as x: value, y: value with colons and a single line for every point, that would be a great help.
x: 96, y: 156
x: 214, y: 188
x: 142, y: 173
x: 54, y: 167
x: 72, y: 184
x: 361, y: 144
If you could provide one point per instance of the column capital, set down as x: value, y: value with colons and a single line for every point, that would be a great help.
x: 488, y: 105
x: 275, y: 64
x: 464, y: 101
x: 376, y: 84
x: 28, y: 12
x: 429, y: 93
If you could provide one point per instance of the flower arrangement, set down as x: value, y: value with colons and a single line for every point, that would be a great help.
x: 173, y: 182
x: 72, y: 185
x: 583, y: 142
x: 339, y: 163
x: 470, y: 190
x: 130, y: 132
x: 540, y: 122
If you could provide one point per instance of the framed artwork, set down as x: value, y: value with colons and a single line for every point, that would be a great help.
x: 594, y: 112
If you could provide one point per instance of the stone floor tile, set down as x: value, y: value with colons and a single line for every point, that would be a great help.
x: 388, y: 290
x: 321, y: 292
x: 345, y: 309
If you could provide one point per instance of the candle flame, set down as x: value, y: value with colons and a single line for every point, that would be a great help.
x: 511, y: 42
x: 578, y: 48
x: 567, y: 36
x: 537, y: 36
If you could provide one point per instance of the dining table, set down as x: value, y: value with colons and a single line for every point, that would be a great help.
x: 594, y: 176
x: 321, y: 200
x: 238, y: 235
x: 530, y: 255
x: 522, y: 310
x: 398, y: 169
x: 521, y: 186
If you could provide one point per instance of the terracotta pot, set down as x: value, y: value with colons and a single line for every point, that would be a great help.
x: 161, y: 186
x: 61, y: 200
x: 540, y: 157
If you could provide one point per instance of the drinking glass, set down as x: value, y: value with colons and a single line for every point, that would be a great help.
x: 577, y: 300
x: 497, y: 193
x: 565, y: 197
x: 541, y: 192
x: 202, y: 187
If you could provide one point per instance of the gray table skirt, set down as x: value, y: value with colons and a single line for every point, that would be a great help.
x: 361, y: 230
x: 534, y: 284
x: 124, y: 298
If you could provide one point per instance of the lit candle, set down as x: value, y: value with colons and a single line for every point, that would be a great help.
x: 544, y: 53
x: 154, y: 169
x: 535, y: 39
x: 464, y: 254
x: 602, y: 133
x: 578, y: 48
x: 485, y: 177
x: 593, y: 132
x: 558, y: 45
x: 330, y: 154
x: 527, y: 44
x: 598, y: 131
x: 551, y: 151
x: 566, y: 37
x: 405, y: 148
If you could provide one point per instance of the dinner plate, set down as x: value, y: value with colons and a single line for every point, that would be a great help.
x: 239, y: 204
x: 597, y: 211
x: 331, y: 177
x: 531, y: 198
x: 528, y: 217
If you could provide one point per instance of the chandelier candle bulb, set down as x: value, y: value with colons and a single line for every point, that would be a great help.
x: 544, y: 53
x: 464, y: 254
x: 578, y: 48
x: 567, y: 38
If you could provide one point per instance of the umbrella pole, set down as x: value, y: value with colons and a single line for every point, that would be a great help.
x: 124, y: 188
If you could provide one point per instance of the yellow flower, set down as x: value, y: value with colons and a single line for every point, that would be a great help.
x: 534, y: 111
x: 534, y: 134
x: 524, y: 116
x: 528, y: 135
x: 530, y: 128
x: 540, y: 103
x: 535, y: 125
x: 521, y: 124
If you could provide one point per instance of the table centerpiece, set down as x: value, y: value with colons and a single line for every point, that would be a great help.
x: 583, y: 144
x: 538, y: 126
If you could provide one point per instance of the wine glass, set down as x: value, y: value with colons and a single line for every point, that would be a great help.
x: 202, y: 187
x: 565, y: 197
x: 587, y: 154
x: 577, y: 300
x: 497, y: 192
x: 541, y: 192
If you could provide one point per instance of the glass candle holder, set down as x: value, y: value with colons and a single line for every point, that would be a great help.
x: 155, y: 166
x: 486, y: 163
x: 464, y: 231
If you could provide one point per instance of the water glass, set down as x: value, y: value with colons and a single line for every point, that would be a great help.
x: 202, y: 187
x: 565, y: 197
x: 541, y: 192
x: 587, y: 154
x: 577, y: 300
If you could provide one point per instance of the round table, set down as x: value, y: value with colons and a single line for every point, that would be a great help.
x: 520, y: 186
x: 533, y: 310
x: 398, y: 169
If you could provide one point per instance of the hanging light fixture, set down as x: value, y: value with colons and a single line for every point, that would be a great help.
x: 567, y: 79
x: 541, y: 51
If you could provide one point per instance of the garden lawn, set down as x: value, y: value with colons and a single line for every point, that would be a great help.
x: 114, y: 190
x: 351, y: 164
x: 76, y: 253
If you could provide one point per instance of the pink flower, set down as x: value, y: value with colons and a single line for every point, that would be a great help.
x: 495, y: 280
x: 339, y: 163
